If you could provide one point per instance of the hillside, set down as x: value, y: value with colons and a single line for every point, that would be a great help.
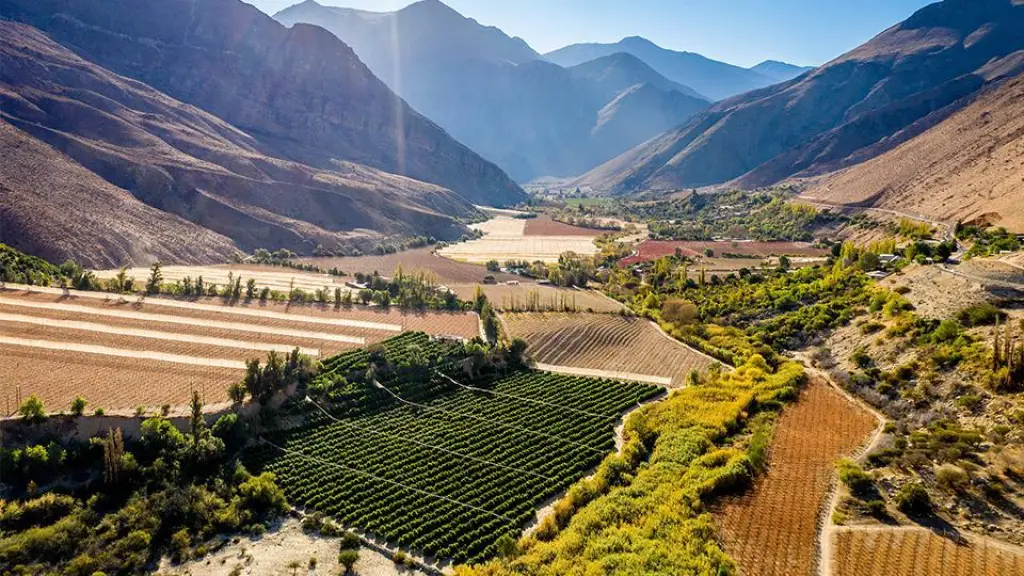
x: 300, y: 92
x: 969, y: 167
x: 853, y: 108
x: 108, y: 171
x: 710, y: 78
x: 497, y: 95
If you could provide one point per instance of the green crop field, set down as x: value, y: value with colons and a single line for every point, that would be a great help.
x: 442, y: 467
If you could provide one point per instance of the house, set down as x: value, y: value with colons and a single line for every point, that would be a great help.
x: 356, y: 285
x: 886, y: 259
x: 878, y: 274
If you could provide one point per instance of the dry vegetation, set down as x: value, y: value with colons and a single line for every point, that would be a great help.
x: 122, y: 353
x: 772, y: 528
x: 910, y: 551
x: 605, y: 342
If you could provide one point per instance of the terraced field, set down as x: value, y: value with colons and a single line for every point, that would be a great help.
x: 445, y: 270
x: 122, y: 353
x: 533, y: 297
x: 605, y: 342
x: 273, y: 277
x: 506, y: 238
x: 913, y: 551
x: 772, y: 528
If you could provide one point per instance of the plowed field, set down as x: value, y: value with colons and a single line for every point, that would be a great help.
x: 121, y: 353
x: 421, y: 259
x: 772, y: 528
x: 604, y: 342
x: 912, y: 551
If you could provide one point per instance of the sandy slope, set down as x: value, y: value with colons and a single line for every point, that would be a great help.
x: 971, y: 166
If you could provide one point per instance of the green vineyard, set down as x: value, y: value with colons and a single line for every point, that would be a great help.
x: 441, y: 465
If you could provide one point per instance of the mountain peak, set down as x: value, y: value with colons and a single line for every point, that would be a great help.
x: 637, y: 41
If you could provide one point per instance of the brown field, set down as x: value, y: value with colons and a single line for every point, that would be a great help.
x: 543, y: 225
x: 539, y: 298
x: 421, y: 259
x: 120, y: 353
x: 604, y: 342
x: 912, y: 551
x: 772, y: 528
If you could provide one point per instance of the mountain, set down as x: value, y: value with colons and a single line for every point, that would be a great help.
x: 870, y: 100
x: 492, y: 92
x: 711, y: 78
x: 779, y: 71
x: 109, y: 171
x: 969, y: 167
x: 300, y: 92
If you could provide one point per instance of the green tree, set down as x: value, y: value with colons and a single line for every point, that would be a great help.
x: 236, y: 392
x: 32, y: 410
x: 493, y: 266
x: 78, y: 406
x: 156, y: 279
x: 250, y: 289
x: 348, y: 559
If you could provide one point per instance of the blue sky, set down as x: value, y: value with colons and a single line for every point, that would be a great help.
x: 743, y: 32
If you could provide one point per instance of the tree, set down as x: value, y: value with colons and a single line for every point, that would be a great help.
x: 348, y: 559
x: 250, y: 289
x: 490, y: 322
x: 32, y: 410
x: 78, y: 406
x: 784, y: 262
x: 196, y: 423
x: 678, y: 311
x: 156, y: 279
x: 493, y: 266
x: 869, y: 261
x: 113, y: 457
x: 236, y: 392
x: 365, y: 296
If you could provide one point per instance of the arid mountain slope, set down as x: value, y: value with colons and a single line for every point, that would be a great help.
x: 492, y: 92
x: 850, y: 109
x: 969, y: 167
x: 300, y: 93
x: 110, y: 171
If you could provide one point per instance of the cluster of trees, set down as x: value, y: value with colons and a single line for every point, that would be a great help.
x: 20, y: 268
x: 1007, y: 361
x: 988, y: 240
x: 113, y: 505
x: 261, y: 382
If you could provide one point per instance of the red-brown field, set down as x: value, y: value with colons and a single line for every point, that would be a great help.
x: 543, y: 225
x: 913, y: 551
x: 652, y: 249
x: 772, y: 528
x: 120, y: 353
x: 607, y: 342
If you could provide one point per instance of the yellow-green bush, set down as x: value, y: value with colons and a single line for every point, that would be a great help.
x: 643, y: 511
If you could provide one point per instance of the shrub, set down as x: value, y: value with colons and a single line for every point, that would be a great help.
x: 875, y: 508
x: 348, y: 559
x: 952, y: 478
x: 912, y: 498
x: 856, y: 479
x: 32, y: 410
x: 970, y: 402
x: 983, y: 314
x: 78, y: 406
x: 349, y: 541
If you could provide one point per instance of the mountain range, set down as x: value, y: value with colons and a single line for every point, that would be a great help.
x: 907, y: 80
x: 709, y: 78
x: 216, y: 124
x: 494, y: 93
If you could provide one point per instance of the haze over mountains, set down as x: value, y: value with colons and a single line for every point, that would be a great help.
x: 293, y: 141
x: 711, y: 79
x: 494, y: 93
x: 909, y: 78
